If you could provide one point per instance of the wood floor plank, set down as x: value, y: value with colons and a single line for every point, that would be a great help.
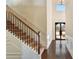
x: 50, y: 53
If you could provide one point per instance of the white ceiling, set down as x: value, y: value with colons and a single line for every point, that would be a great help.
x: 26, y: 2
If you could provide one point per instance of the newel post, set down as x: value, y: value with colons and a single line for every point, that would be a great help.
x: 39, y: 42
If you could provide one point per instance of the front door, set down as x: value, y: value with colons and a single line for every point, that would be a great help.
x: 60, y: 31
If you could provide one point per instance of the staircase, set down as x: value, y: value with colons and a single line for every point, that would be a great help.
x: 20, y: 29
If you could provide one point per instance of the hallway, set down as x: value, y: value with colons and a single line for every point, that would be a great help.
x: 55, y: 51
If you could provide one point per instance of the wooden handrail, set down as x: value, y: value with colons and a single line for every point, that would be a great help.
x: 27, y: 25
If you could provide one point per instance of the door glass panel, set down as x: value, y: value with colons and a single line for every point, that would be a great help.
x: 58, y: 31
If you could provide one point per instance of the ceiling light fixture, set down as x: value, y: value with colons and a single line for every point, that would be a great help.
x: 60, y: 6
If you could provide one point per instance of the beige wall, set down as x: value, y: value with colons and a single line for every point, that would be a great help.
x: 69, y: 17
x: 35, y: 13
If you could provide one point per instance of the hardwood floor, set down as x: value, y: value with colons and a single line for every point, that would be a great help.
x: 68, y: 56
x: 56, y: 52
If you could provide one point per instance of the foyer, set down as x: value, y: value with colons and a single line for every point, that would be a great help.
x: 32, y: 32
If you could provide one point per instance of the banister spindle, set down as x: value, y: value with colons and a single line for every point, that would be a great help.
x: 14, y: 24
x: 6, y: 15
x: 20, y: 29
x: 6, y: 19
x: 34, y: 40
x: 22, y: 32
x: 23, y: 27
x: 29, y: 36
x: 11, y: 22
x: 25, y: 32
x: 37, y: 43
x: 9, y: 16
x: 26, y: 35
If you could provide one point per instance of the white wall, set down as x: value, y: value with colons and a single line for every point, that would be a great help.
x: 69, y: 17
x: 49, y: 21
x: 69, y: 25
x: 26, y: 2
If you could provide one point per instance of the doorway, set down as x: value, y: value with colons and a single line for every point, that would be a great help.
x: 60, y: 31
x: 60, y: 40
